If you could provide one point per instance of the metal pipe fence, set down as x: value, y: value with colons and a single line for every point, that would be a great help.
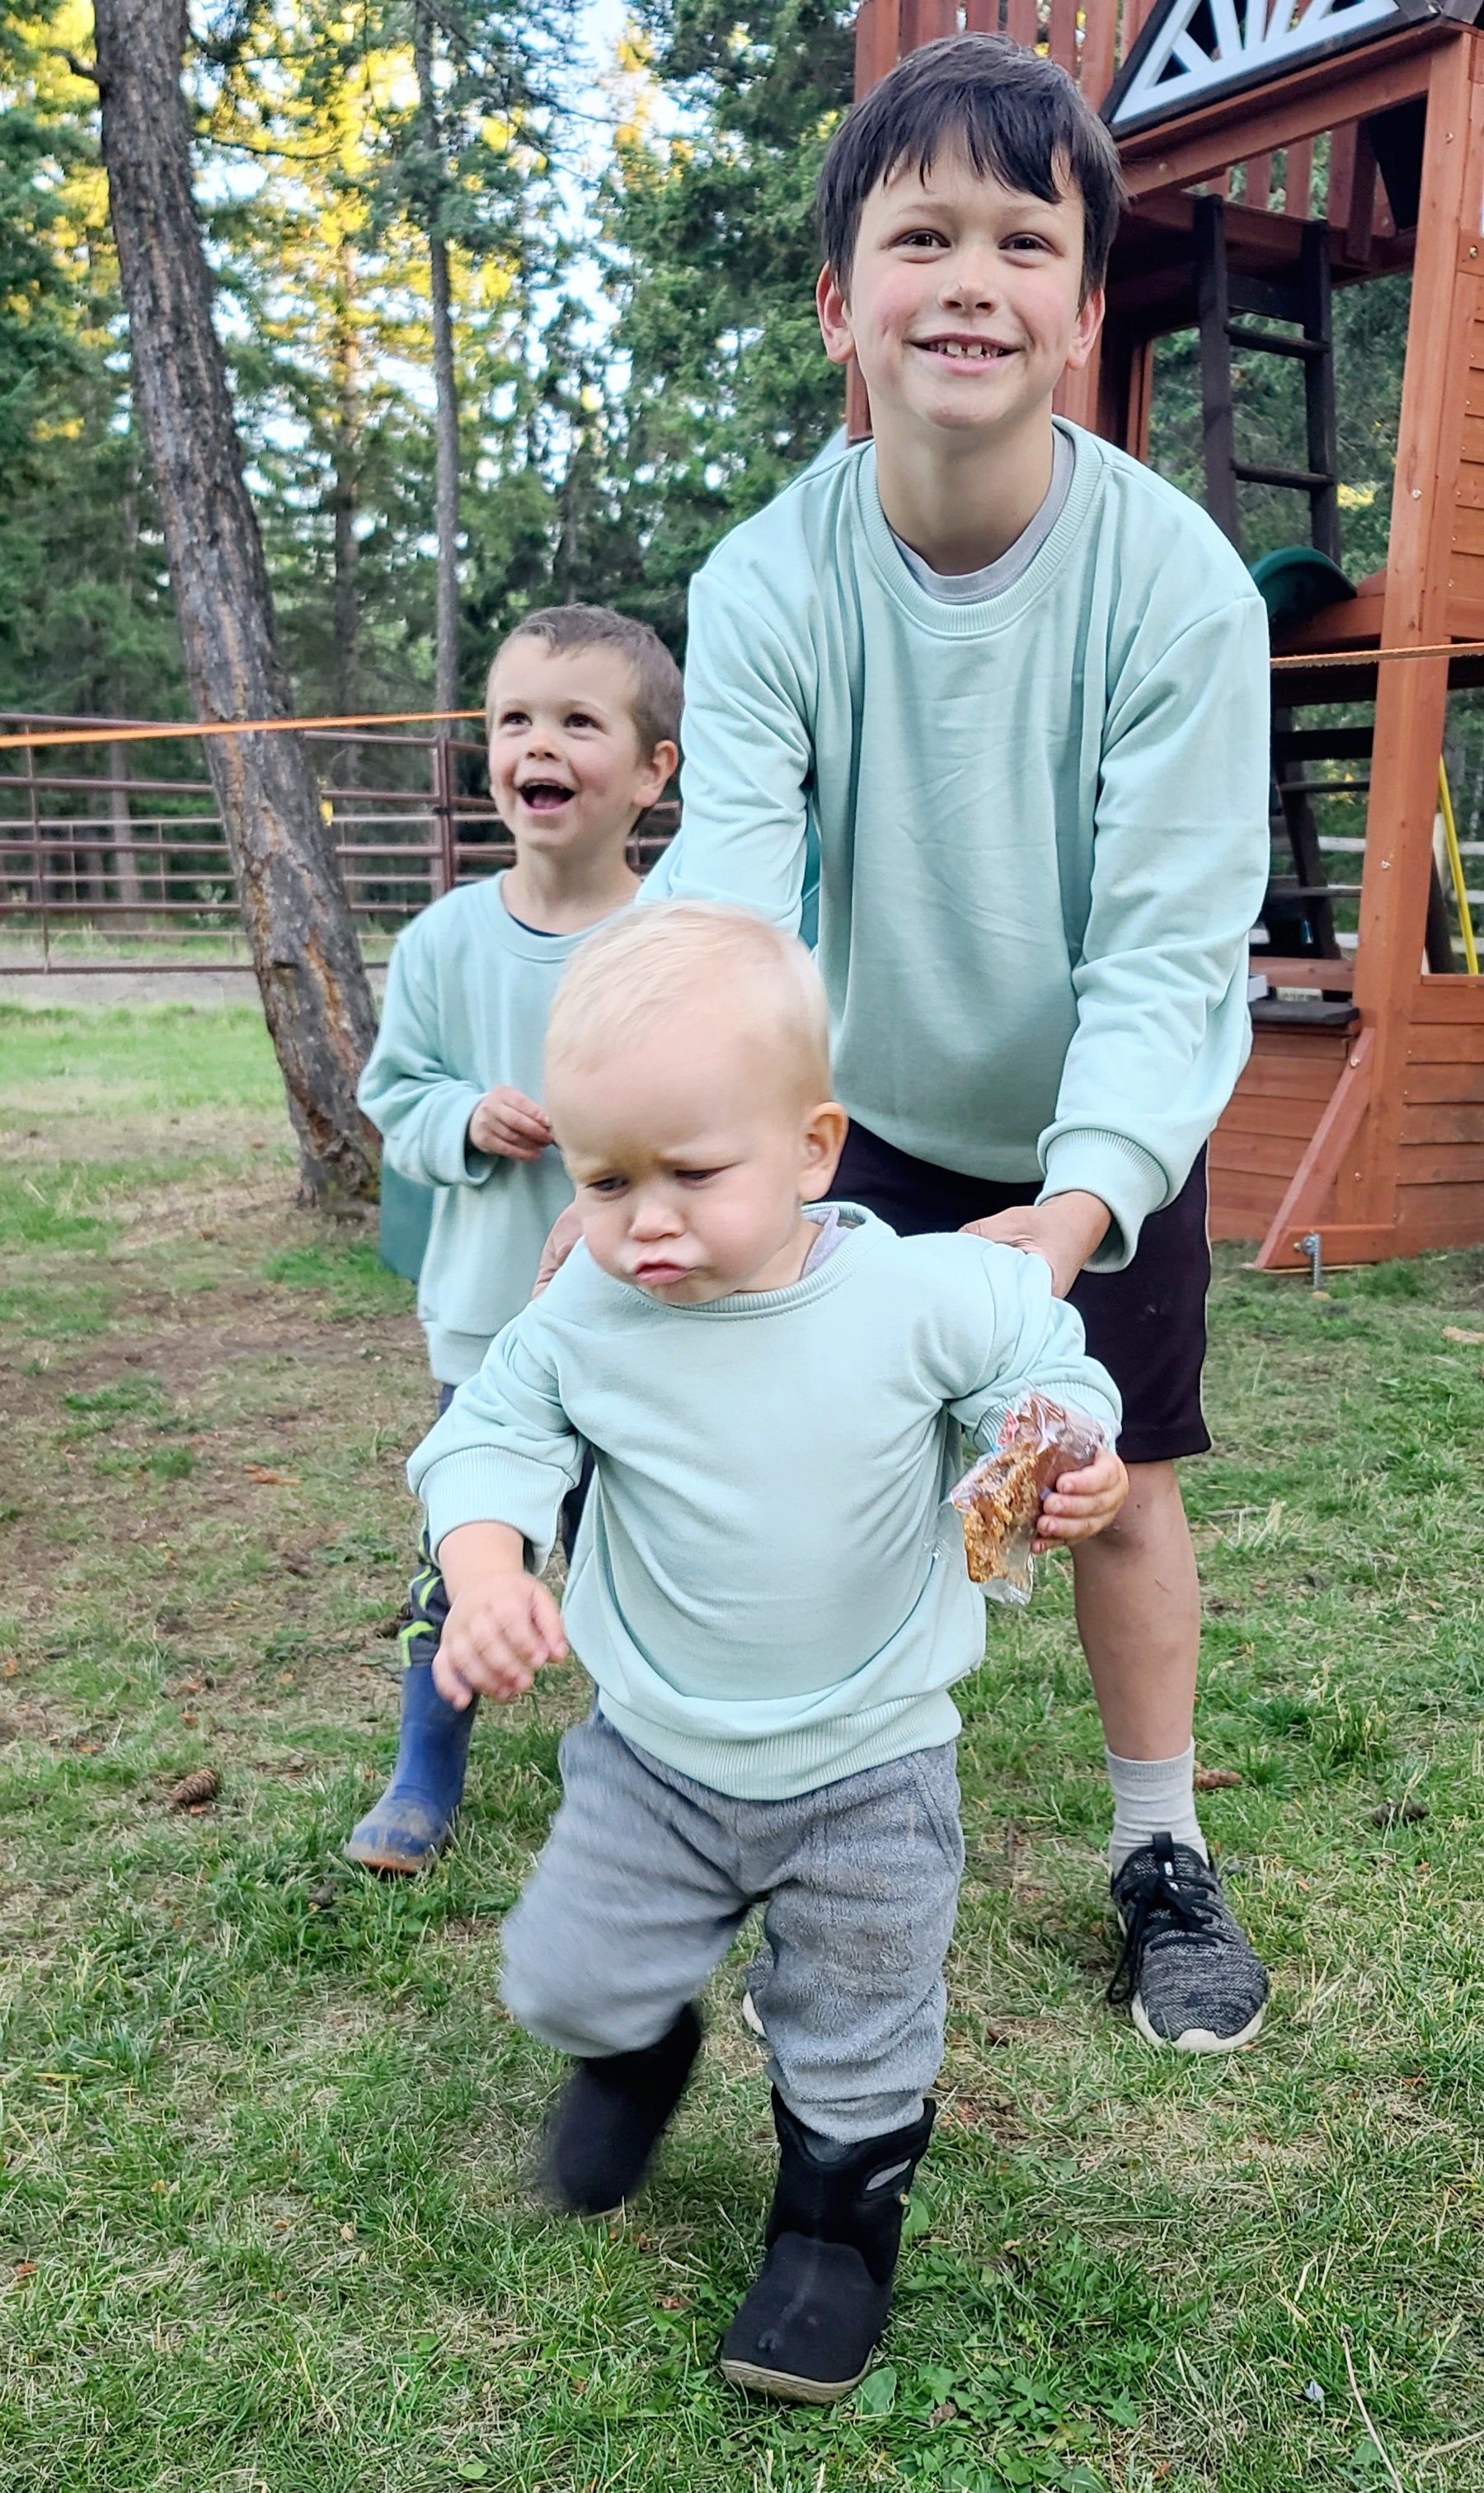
x: 122, y: 845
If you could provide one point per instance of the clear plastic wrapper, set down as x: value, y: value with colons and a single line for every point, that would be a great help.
x: 998, y: 1502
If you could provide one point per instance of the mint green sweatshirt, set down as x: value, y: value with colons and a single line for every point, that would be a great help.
x: 766, y: 1587
x: 467, y: 995
x: 1042, y: 819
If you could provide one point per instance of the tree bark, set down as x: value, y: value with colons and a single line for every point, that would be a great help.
x: 126, y: 863
x: 314, y: 983
x: 346, y: 603
x: 445, y: 382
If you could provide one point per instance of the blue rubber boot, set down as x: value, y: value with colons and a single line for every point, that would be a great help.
x: 410, y: 1823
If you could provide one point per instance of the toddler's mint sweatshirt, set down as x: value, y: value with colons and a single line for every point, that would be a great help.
x: 467, y: 995
x: 766, y: 1587
x: 1042, y: 819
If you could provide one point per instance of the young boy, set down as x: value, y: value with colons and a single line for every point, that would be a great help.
x: 582, y: 712
x: 766, y: 1591
x: 1016, y: 685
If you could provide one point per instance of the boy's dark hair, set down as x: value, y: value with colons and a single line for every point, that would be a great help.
x: 657, y: 686
x: 1017, y: 116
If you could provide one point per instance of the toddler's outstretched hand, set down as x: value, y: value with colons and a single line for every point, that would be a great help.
x: 1079, y: 1504
x: 509, y: 1126
x: 500, y: 1631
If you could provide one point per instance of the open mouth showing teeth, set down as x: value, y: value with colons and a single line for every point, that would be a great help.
x: 982, y: 351
x: 544, y: 796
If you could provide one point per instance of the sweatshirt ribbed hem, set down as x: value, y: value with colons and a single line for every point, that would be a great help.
x: 1082, y: 1160
x: 799, y: 1760
x: 455, y: 1357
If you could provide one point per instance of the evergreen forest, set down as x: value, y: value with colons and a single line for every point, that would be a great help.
x: 630, y: 258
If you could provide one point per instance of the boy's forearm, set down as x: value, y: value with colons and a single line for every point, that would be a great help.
x: 472, y: 1551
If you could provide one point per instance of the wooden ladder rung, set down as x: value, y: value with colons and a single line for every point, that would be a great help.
x: 1273, y: 342
x: 1308, y: 480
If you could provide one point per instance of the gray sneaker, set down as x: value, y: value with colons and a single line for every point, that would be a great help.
x: 1192, y: 1981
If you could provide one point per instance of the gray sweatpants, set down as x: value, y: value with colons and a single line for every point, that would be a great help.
x: 646, y: 1877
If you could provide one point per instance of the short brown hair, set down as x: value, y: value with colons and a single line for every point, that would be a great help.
x: 657, y: 686
x: 1017, y: 116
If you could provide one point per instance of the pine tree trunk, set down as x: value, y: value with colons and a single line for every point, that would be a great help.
x: 126, y: 863
x: 345, y: 618
x: 445, y: 384
x: 314, y: 989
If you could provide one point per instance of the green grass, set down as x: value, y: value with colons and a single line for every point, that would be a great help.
x: 263, y: 2220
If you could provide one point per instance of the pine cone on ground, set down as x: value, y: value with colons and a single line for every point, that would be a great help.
x: 193, y: 1791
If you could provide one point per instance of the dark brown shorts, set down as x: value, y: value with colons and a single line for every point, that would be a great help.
x: 1146, y: 1324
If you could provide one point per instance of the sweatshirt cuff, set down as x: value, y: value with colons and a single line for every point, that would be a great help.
x: 484, y: 1487
x: 446, y: 1148
x: 1085, y: 1159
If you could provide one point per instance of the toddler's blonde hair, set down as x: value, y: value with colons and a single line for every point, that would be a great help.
x: 630, y: 977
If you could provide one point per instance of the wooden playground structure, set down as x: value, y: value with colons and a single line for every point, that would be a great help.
x: 1357, y: 1132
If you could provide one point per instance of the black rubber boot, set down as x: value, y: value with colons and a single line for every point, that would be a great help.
x: 810, y: 2326
x: 609, y: 2120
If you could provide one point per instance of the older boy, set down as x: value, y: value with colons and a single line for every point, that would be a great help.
x: 765, y: 1590
x: 583, y: 713
x: 1017, y: 687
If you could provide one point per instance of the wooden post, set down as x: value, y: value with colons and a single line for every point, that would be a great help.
x: 878, y: 43
x: 38, y: 853
x: 1411, y: 697
x: 1298, y: 178
x: 1213, y: 311
x: 1320, y: 390
x: 1258, y: 183
x: 1100, y: 39
x: 443, y: 857
x: 1362, y: 196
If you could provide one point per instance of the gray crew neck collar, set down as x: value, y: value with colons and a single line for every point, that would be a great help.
x: 862, y: 1231
x: 992, y: 578
x: 992, y: 614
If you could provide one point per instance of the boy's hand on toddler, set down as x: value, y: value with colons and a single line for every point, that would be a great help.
x: 565, y: 1231
x: 498, y: 1634
x: 1063, y: 1231
x: 1080, y: 1504
x: 509, y: 1126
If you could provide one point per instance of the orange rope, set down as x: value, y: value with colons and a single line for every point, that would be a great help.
x: 1370, y: 657
x: 151, y: 733
x: 226, y: 727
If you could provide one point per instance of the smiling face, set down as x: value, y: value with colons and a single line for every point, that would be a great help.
x: 692, y: 1151
x: 964, y: 303
x: 566, y: 765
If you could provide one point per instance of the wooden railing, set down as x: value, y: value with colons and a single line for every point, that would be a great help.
x: 124, y: 842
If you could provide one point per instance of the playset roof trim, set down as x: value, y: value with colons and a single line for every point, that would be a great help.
x: 1192, y: 51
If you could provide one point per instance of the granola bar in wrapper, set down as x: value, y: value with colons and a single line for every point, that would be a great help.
x: 1000, y: 1500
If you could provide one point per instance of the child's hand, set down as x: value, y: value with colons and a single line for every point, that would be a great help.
x: 500, y: 1631
x: 565, y: 1231
x: 510, y: 1125
x: 1063, y: 1231
x: 1080, y: 1504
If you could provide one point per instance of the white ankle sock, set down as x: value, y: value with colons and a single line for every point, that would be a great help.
x: 1152, y: 1796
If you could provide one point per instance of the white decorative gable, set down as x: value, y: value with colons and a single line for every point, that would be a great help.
x: 1194, y: 49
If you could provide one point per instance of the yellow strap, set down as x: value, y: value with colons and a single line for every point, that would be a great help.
x: 1455, y: 869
